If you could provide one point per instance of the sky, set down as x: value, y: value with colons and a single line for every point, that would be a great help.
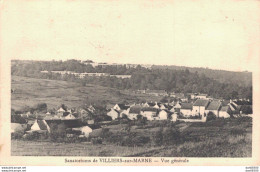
x: 215, y: 34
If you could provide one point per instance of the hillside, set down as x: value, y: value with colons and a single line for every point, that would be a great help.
x: 31, y: 91
x: 216, y: 83
x: 239, y: 78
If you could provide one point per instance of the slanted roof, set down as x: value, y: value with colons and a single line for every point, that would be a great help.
x: 179, y: 95
x: 42, y: 124
x: 201, y: 102
x: 242, y: 102
x: 149, y: 109
x: 225, y: 102
x: 165, y: 105
x: 123, y: 106
x: 233, y: 106
x: 186, y: 106
x: 135, y: 109
x: 151, y: 104
x: 114, y: 110
x: 214, y: 105
x: 224, y: 108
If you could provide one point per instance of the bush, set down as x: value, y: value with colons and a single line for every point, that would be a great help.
x: 31, y: 136
x: 140, y: 140
x: 157, y: 137
x: 97, y: 140
x: 57, y: 132
x: 17, y: 119
x: 16, y: 135
x: 166, y: 136
x: 211, y: 116
x: 171, y: 136
x: 237, y: 131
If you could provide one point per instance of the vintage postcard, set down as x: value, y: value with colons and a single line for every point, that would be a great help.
x: 120, y: 82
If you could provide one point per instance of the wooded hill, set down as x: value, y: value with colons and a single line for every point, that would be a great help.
x: 217, y: 83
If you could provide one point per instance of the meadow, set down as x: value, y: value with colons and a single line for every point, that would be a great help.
x: 31, y: 91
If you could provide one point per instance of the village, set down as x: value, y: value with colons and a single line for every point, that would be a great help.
x: 82, y: 122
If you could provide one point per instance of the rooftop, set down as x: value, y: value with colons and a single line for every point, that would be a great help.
x: 214, y: 105
x: 201, y: 102
x: 186, y: 106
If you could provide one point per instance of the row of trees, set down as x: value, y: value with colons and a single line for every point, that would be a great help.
x: 170, y: 80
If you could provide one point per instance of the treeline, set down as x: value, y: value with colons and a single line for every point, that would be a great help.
x: 182, y: 81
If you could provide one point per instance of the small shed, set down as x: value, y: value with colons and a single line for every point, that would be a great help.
x: 85, y: 130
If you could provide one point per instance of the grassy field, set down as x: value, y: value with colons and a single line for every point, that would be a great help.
x: 33, y: 148
x: 219, y: 138
x: 31, y: 91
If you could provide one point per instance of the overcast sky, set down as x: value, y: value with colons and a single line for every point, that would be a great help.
x: 215, y: 34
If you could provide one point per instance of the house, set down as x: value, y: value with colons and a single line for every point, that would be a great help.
x: 120, y: 107
x: 113, y: 113
x: 164, y: 106
x: 177, y: 107
x: 124, y: 112
x: 224, y: 112
x: 157, y: 105
x: 61, y: 110
x: 193, y: 96
x: 85, y: 130
x: 213, y: 107
x: 174, y: 117
x: 156, y: 92
x: 201, y: 96
x: 172, y: 94
x: 90, y: 122
x: 40, y: 125
x: 172, y: 109
x: 200, y: 106
x: 149, y: 113
x: 27, y: 115
x: 186, y: 109
x: 134, y: 111
x: 180, y: 95
x: 146, y: 104
x: 164, y: 114
x: 69, y: 116
x: 184, y: 99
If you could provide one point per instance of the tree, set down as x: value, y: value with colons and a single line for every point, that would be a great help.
x: 57, y: 132
x: 41, y: 107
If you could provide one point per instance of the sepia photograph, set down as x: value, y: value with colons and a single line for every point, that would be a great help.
x: 139, y: 79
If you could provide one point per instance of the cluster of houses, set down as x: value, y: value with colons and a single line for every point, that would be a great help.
x: 181, y: 96
x: 40, y: 123
x: 85, y: 74
x: 196, y: 111
x: 94, y: 64
x: 177, y: 110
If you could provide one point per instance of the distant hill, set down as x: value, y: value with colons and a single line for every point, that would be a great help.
x: 216, y: 83
x: 243, y: 79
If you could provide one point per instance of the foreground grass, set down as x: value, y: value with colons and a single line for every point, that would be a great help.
x: 218, y: 138
x: 33, y: 148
